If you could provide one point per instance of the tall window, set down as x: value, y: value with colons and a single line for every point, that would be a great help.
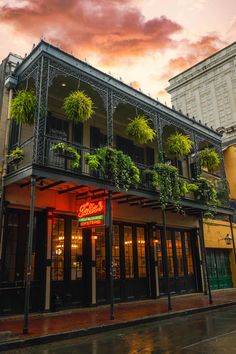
x: 158, y: 251
x: 179, y: 253
x: 128, y: 245
x: 100, y: 254
x: 58, y: 241
x: 142, y: 269
x: 116, y: 252
x: 170, y: 253
x: 76, y: 251
x: 9, y: 272
x: 188, y: 251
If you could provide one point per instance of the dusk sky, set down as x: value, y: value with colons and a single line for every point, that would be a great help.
x: 145, y: 42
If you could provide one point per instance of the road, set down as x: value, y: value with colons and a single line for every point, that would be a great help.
x: 209, y: 332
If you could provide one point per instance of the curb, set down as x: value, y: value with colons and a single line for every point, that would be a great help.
x: 21, y: 343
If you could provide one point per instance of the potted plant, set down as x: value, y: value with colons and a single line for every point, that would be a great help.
x: 114, y: 166
x: 139, y: 128
x: 67, y: 152
x: 208, y: 158
x: 78, y: 106
x: 16, y: 156
x: 178, y: 145
x: 23, y: 107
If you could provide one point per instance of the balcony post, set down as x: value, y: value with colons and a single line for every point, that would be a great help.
x: 166, y: 259
x: 29, y: 257
x: 204, y: 258
x: 232, y: 234
x: 109, y: 107
x: 110, y: 240
x: 42, y: 84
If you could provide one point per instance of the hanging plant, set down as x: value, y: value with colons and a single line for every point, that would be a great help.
x: 68, y: 152
x: 166, y: 180
x: 208, y: 158
x: 178, y: 145
x: 78, y: 106
x: 23, y: 107
x: 115, y: 166
x: 16, y: 155
x: 139, y: 128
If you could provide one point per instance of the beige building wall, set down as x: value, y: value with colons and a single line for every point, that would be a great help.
x: 207, y: 91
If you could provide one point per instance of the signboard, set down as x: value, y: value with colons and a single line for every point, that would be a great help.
x: 91, y: 214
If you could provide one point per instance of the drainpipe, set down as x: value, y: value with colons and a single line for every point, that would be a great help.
x: 4, y: 172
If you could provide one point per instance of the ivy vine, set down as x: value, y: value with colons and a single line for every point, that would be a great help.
x: 115, y: 166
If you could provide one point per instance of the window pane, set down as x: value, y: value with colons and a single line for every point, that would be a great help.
x: 128, y: 245
x: 76, y: 251
x: 100, y: 254
x: 116, y: 252
x: 58, y: 239
x: 170, y: 254
x: 9, y: 270
x: 142, y: 271
x: 158, y: 251
x: 189, y: 255
x: 179, y: 253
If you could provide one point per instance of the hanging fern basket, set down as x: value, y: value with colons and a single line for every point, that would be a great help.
x: 208, y: 158
x: 139, y: 128
x: 23, y: 107
x: 78, y: 107
x: 178, y: 145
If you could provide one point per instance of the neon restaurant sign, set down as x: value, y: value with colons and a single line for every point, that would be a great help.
x: 91, y: 214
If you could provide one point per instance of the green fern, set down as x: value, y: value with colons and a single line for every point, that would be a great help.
x: 78, y: 107
x: 178, y: 145
x: 139, y: 128
x: 208, y: 158
x: 23, y: 107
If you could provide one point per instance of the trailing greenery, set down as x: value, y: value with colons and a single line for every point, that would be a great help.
x: 207, y: 193
x: 208, y: 158
x: 178, y: 145
x: 16, y: 155
x: 166, y: 179
x: 139, y: 128
x: 223, y: 192
x: 78, y: 106
x: 116, y: 166
x: 64, y: 149
x: 23, y: 107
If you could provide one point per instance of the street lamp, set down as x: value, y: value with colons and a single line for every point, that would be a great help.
x: 227, y: 239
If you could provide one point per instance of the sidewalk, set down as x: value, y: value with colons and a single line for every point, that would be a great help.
x: 78, y: 322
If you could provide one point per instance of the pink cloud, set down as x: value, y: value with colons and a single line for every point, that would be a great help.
x: 114, y: 29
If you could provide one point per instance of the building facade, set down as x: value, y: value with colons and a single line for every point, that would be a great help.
x: 207, y: 92
x: 70, y: 231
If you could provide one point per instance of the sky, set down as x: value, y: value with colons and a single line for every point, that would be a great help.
x: 142, y: 42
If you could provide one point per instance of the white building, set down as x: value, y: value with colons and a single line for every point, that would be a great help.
x: 207, y: 91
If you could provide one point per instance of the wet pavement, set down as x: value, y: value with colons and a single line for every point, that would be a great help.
x: 87, y: 318
x: 208, y: 332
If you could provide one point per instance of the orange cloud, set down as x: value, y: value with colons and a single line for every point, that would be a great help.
x: 194, y: 52
x: 113, y: 29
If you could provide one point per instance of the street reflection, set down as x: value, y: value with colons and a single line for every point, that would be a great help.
x: 181, y: 334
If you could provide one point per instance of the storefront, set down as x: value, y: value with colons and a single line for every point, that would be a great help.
x: 78, y: 261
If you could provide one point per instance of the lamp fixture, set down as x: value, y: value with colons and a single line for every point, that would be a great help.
x: 227, y: 239
x: 63, y: 84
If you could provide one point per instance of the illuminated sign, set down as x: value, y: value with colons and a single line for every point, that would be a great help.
x: 91, y: 214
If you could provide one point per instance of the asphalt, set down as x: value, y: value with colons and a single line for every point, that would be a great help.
x: 67, y: 324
